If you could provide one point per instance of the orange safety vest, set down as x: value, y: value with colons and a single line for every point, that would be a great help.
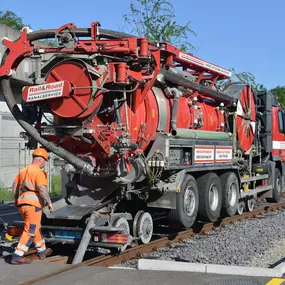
x: 28, y: 181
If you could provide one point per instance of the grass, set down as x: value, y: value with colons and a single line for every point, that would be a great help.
x: 55, y: 186
x: 6, y: 194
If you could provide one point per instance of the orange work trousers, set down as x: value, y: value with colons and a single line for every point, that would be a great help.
x: 32, y: 231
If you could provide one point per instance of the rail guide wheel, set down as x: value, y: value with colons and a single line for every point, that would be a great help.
x: 241, y: 207
x: 250, y: 204
x: 122, y: 224
x: 143, y: 227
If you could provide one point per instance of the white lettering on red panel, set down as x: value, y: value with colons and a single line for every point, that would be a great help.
x: 224, y: 153
x: 45, y: 91
x: 204, y: 154
x: 278, y: 145
x: 205, y: 64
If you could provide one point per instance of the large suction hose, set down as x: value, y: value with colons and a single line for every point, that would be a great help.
x: 81, y: 32
x: 80, y: 164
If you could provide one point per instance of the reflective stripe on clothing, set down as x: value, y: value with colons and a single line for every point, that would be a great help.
x: 38, y: 244
x: 23, y: 247
x: 29, y: 180
x: 18, y: 252
x: 32, y: 219
x: 42, y: 248
x: 27, y: 186
x: 31, y: 199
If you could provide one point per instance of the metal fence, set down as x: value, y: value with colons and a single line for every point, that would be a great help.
x: 14, y: 156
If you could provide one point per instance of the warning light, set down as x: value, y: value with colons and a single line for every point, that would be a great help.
x: 15, y: 232
x: 112, y: 238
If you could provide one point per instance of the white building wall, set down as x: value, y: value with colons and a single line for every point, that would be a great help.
x: 13, y: 154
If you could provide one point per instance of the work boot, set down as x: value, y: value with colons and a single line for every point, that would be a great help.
x: 46, y: 253
x: 22, y: 260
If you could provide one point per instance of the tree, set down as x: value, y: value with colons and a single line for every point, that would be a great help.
x: 10, y: 19
x: 155, y: 19
x: 248, y: 78
x: 242, y: 77
x: 279, y: 92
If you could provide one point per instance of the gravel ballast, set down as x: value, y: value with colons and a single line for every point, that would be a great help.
x: 257, y: 242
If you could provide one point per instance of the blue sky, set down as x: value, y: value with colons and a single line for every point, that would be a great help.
x: 247, y: 35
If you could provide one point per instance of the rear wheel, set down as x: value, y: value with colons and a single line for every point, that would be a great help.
x: 210, y: 197
x: 186, y: 204
x: 276, y: 191
x: 230, y: 193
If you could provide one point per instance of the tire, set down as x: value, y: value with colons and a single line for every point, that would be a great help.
x: 230, y: 193
x: 209, y: 207
x: 187, y: 203
x: 276, y: 191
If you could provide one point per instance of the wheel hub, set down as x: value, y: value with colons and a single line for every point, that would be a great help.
x: 189, y: 201
x: 232, y: 195
x: 278, y: 185
x: 213, y: 197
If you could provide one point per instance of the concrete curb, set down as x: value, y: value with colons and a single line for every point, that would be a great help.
x: 281, y: 267
x: 121, y: 267
x: 163, y: 265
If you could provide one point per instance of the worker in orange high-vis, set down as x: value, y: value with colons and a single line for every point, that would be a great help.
x: 31, y: 194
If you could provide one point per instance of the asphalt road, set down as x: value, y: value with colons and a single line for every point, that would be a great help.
x: 9, y: 213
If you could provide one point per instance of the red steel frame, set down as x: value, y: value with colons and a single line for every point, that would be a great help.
x: 24, y: 48
x: 135, y: 47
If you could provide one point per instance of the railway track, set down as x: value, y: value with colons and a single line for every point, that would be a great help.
x: 137, y: 251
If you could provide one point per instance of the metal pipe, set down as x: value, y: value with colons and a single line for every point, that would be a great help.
x: 235, y: 132
x: 85, y: 239
x: 171, y: 76
x: 126, y: 111
x: 118, y: 113
x: 177, y: 95
x: 197, y: 134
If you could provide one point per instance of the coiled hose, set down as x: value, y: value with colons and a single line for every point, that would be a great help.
x: 79, y: 164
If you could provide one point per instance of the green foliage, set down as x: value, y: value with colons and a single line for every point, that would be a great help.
x: 155, y: 19
x: 6, y: 194
x: 10, y: 19
x: 55, y: 186
x: 242, y: 77
x: 49, y: 42
x: 248, y: 78
x: 279, y: 92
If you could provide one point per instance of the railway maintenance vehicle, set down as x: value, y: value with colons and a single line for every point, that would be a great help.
x: 146, y: 132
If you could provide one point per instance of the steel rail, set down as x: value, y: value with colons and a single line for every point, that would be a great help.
x: 137, y: 251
